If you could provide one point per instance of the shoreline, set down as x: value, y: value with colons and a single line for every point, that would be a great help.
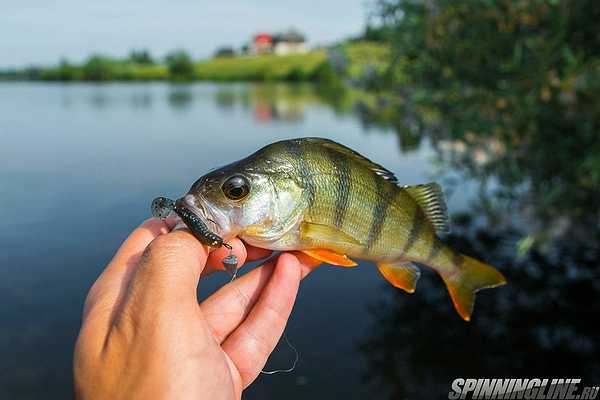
x: 347, y: 60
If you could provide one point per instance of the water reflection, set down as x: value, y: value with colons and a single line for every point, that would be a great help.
x: 225, y: 98
x: 271, y: 102
x: 141, y: 100
x: 180, y: 97
x: 99, y: 99
x: 542, y: 324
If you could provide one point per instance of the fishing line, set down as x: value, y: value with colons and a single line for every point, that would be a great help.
x: 161, y: 207
x: 296, y: 358
x: 231, y: 261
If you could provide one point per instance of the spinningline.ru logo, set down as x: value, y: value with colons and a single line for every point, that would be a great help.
x: 530, y: 388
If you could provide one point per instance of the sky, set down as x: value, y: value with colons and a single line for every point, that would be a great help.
x: 43, y: 31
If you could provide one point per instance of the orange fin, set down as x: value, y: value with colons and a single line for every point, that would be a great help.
x: 402, y: 275
x: 330, y: 257
x: 319, y: 233
x: 468, y: 276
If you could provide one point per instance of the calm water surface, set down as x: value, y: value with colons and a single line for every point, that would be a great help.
x: 79, y: 165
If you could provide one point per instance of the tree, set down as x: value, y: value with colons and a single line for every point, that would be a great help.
x: 180, y: 65
x: 225, y: 51
x: 99, y: 68
x: 66, y: 71
x: 141, y: 57
x: 522, y: 73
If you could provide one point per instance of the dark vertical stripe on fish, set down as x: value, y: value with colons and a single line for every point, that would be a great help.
x: 379, y: 211
x: 436, y: 246
x: 415, y: 230
x: 343, y: 186
x: 294, y: 148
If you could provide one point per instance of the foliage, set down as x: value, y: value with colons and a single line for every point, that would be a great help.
x: 141, y: 57
x: 374, y: 33
x: 520, y: 78
x: 349, y: 61
x: 98, y: 68
x: 368, y: 63
x: 180, y: 65
x: 225, y: 51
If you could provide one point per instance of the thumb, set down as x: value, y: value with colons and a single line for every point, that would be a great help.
x: 167, y: 274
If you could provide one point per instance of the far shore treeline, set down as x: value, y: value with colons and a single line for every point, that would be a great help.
x: 317, y: 65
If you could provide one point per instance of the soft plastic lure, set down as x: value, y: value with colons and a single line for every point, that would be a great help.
x: 162, y: 207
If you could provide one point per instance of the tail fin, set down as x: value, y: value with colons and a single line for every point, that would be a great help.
x: 469, y: 276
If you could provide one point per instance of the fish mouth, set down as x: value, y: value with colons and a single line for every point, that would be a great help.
x: 190, y: 203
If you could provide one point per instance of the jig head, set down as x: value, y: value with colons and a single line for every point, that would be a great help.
x: 161, y: 207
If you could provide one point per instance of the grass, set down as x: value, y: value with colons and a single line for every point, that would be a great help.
x: 312, y: 66
x: 268, y: 67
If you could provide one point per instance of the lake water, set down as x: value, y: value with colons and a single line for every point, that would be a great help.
x: 80, y: 163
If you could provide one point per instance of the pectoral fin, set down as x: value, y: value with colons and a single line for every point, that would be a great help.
x: 403, y: 276
x: 321, y: 233
x: 330, y: 257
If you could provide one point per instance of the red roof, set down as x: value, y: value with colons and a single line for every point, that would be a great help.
x: 263, y: 38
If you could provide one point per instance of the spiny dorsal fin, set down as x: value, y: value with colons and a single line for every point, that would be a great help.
x: 431, y: 199
x: 378, y: 169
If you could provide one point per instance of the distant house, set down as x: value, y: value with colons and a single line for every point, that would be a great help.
x: 262, y: 43
x: 290, y: 42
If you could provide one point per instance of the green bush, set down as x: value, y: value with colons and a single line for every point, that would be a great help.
x: 180, y: 65
x: 99, y: 68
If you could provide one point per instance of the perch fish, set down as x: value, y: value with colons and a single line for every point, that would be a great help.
x: 324, y: 199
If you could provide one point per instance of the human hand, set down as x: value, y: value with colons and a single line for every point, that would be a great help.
x: 144, y: 335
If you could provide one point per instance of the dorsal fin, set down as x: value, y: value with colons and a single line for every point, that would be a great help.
x: 330, y: 144
x: 431, y: 199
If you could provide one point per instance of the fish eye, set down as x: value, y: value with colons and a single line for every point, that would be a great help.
x: 236, y: 188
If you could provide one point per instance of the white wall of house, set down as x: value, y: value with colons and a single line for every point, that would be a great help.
x: 285, y: 48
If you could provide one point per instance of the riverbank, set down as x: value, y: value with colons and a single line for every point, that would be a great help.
x: 350, y: 59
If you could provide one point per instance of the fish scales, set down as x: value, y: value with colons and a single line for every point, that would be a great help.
x: 340, y: 192
x: 358, y: 194
x: 317, y: 196
x: 331, y: 178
